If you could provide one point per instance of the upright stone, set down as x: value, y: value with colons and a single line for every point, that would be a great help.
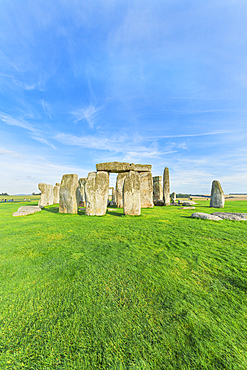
x: 157, y: 188
x: 49, y: 195
x: 43, y: 198
x: 56, y: 193
x: 217, y: 196
x: 166, y: 187
x: 173, y: 197
x: 68, y: 195
x: 97, y: 191
x: 119, y: 188
x: 146, y: 190
x: 132, y: 194
x: 81, y: 191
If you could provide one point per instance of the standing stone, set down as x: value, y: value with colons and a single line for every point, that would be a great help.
x: 97, y: 191
x: 68, y: 195
x: 173, y: 197
x: 146, y: 190
x: 119, y: 188
x: 81, y: 191
x: 56, y: 194
x: 43, y: 198
x: 49, y: 195
x: 166, y: 187
x: 157, y: 188
x: 132, y: 194
x: 217, y: 196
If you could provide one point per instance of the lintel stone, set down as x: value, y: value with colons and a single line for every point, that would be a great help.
x: 119, y: 167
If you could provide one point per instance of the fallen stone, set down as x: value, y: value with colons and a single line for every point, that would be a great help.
x: 188, y: 203
x: 157, y: 188
x: 217, y: 196
x: 166, y: 187
x: 231, y: 216
x: 146, y: 190
x: 68, y: 195
x: 96, y: 191
x: 119, y: 167
x: 205, y: 216
x: 27, y: 210
x: 187, y: 208
x: 132, y: 194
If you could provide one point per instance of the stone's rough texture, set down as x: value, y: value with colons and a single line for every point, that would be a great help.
x: 68, y: 195
x: 27, y: 210
x: 49, y: 195
x: 217, y: 196
x: 205, y: 216
x: 119, y: 167
x: 43, y: 198
x: 46, y: 194
x: 57, y: 184
x: 173, y: 197
x: 132, y: 194
x: 231, y: 216
x: 157, y: 188
x: 56, y: 194
x: 166, y: 187
x: 146, y: 190
x: 119, y: 188
x: 81, y: 191
x: 96, y: 191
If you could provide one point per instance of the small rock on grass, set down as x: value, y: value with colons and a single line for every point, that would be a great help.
x: 187, y: 208
x: 231, y: 216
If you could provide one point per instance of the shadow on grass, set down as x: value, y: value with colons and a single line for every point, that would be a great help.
x: 51, y: 209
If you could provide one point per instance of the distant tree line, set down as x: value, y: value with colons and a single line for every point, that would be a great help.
x: 179, y: 195
x: 36, y: 193
x: 5, y: 194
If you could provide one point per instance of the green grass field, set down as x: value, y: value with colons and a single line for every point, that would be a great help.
x: 158, y: 291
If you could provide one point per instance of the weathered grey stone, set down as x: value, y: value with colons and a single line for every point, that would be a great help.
x: 113, y: 195
x: 187, y: 208
x: 119, y: 188
x: 58, y: 184
x: 68, y: 195
x: 205, y: 216
x: 119, y: 167
x: 166, y: 187
x: 27, y: 210
x: 56, y: 193
x: 146, y: 190
x: 231, y: 216
x: 43, y: 197
x: 217, y: 196
x: 157, y: 188
x: 81, y: 191
x: 173, y: 197
x: 46, y: 197
x: 132, y: 194
x: 188, y: 203
x: 96, y: 191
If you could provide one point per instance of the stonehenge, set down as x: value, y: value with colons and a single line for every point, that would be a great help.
x: 119, y: 188
x: 166, y: 187
x: 96, y: 193
x: 81, y: 191
x: 68, y: 195
x: 119, y: 167
x: 132, y: 194
x: 217, y: 196
x: 146, y: 190
x: 173, y: 197
x: 157, y: 189
x: 56, y: 189
x: 46, y: 197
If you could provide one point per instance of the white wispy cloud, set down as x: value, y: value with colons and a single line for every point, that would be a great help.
x: 87, y: 114
x: 46, y: 108
x: 9, y: 153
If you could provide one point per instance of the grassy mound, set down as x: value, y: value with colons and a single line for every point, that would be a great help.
x: 158, y: 291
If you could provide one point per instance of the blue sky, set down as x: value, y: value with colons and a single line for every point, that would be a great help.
x: 158, y: 82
